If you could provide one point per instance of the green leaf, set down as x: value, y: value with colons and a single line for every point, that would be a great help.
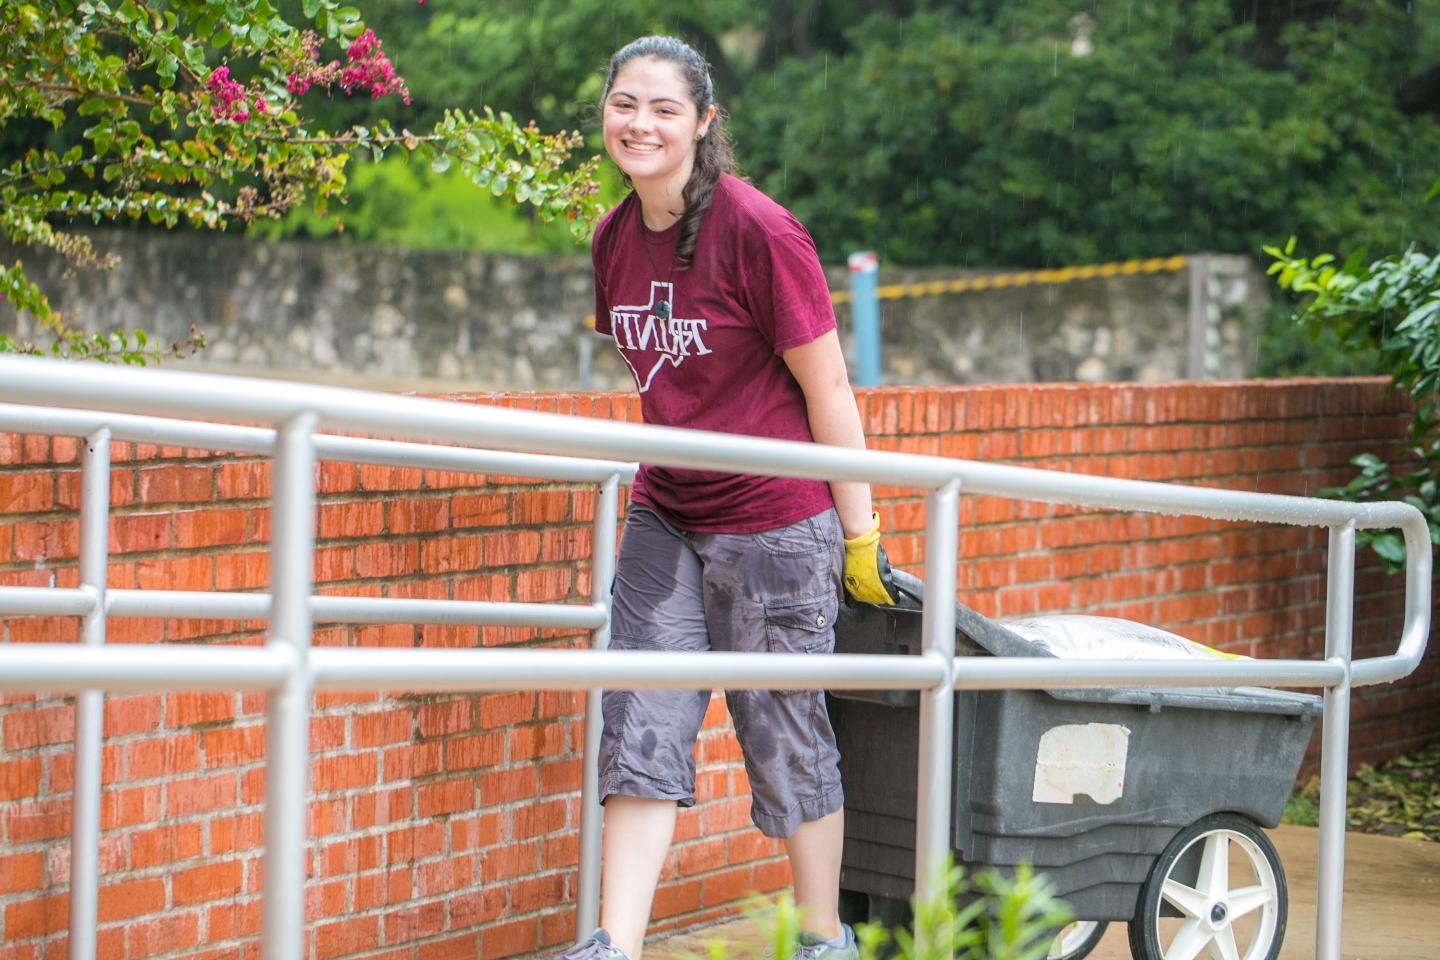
x: 1389, y: 546
x: 1424, y: 314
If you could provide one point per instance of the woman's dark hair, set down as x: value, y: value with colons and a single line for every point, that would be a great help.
x: 713, y: 153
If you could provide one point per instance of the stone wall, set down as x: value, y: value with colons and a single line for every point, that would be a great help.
x: 1172, y: 324
x: 457, y: 321
x: 469, y: 321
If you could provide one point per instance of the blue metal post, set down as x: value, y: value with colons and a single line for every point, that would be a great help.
x: 865, y: 308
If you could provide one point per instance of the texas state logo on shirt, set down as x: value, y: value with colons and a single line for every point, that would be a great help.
x: 649, y: 337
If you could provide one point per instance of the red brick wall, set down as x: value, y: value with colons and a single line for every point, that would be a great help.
x: 446, y: 825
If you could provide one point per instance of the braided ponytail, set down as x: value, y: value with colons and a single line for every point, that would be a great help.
x: 714, y: 155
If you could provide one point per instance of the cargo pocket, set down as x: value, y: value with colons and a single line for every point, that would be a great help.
x: 801, y: 626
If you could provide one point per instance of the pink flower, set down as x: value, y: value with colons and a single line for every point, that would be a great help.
x: 366, y: 67
x: 362, y: 45
x: 228, y: 98
x: 370, y: 69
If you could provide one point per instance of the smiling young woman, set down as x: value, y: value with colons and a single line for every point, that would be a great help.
x: 715, y: 298
x: 651, y: 127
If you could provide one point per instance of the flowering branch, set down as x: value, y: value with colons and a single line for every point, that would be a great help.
x: 196, y: 115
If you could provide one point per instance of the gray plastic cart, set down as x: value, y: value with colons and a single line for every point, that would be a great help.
x: 1141, y: 805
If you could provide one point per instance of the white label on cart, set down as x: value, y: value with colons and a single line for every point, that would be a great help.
x: 1081, y: 761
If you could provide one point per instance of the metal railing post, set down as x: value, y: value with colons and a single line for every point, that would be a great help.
x: 89, y: 704
x: 287, y: 714
x: 1335, y: 742
x: 602, y: 571
x: 937, y: 704
x: 865, y: 316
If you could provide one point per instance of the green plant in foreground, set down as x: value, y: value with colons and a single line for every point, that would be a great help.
x: 994, y: 916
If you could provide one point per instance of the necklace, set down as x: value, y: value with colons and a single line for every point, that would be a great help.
x: 662, y: 308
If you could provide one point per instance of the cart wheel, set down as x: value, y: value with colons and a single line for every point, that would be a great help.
x: 1076, y: 940
x: 1218, y: 887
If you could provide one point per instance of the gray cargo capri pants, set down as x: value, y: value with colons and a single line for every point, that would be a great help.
x: 778, y: 590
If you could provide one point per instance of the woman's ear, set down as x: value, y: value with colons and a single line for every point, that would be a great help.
x: 705, y: 122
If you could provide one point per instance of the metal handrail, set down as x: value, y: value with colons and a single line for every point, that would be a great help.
x: 172, y: 392
x: 260, y: 440
x: 290, y: 669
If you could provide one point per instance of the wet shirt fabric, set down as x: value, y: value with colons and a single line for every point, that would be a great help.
x: 705, y: 344
x: 772, y: 591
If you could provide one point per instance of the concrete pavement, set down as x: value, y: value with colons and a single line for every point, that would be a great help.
x: 1392, y: 905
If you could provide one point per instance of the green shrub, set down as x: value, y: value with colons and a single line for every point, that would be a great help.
x: 397, y: 203
x: 1390, y: 306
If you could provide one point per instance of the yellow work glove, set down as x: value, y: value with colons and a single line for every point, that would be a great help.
x: 867, y: 569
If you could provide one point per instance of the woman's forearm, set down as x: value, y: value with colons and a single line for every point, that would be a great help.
x: 819, y: 368
x: 834, y: 420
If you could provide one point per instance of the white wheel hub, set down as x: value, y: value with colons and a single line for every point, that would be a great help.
x: 1234, y: 892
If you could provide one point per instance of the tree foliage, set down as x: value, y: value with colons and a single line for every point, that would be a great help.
x: 1018, y: 133
x: 1034, y: 134
x: 1029, y: 133
x: 545, y: 59
x: 198, y: 113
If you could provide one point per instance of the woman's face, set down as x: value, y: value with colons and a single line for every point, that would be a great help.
x: 650, y: 122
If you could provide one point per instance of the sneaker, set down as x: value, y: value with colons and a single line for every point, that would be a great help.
x: 843, y: 947
x: 597, y: 946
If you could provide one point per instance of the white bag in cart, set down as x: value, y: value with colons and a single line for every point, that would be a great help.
x: 1078, y: 636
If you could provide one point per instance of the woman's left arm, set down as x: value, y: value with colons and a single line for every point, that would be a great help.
x: 819, y: 368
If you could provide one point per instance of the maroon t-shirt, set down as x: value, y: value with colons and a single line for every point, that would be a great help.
x: 711, y: 361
